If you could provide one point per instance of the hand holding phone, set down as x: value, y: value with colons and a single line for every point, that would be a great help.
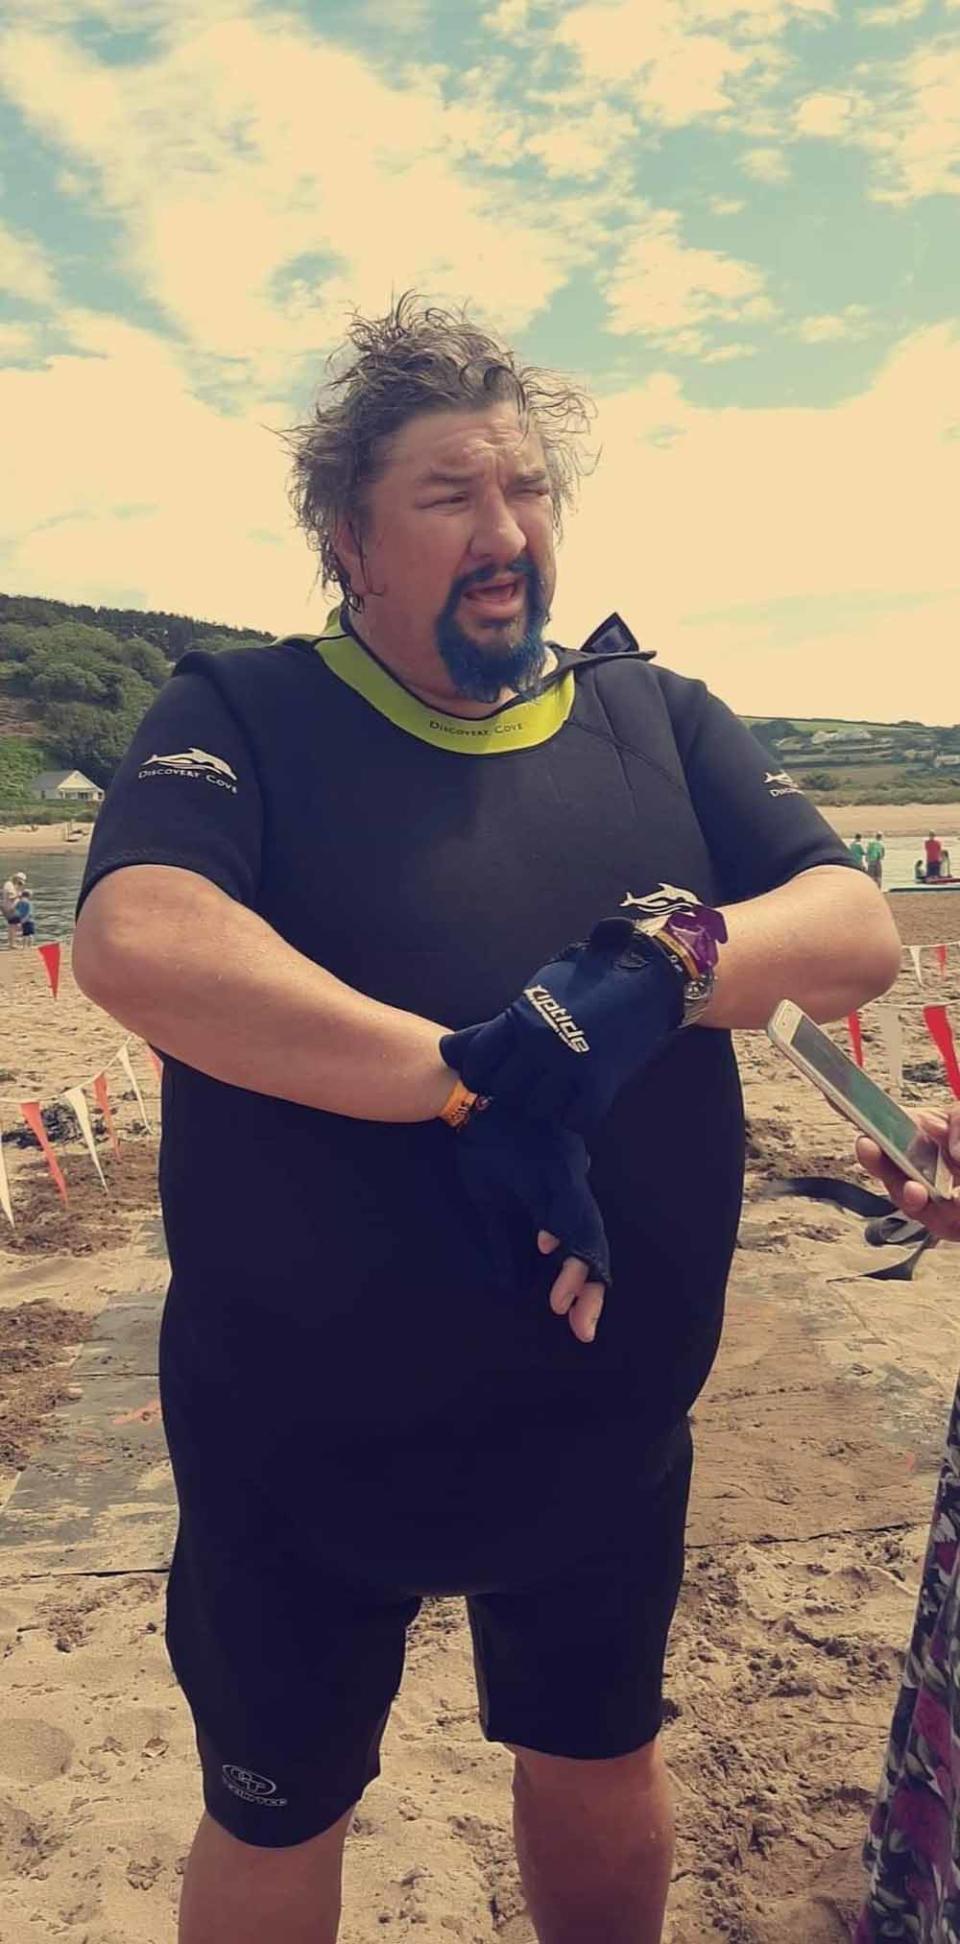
x: 942, y: 1218
x: 917, y: 1153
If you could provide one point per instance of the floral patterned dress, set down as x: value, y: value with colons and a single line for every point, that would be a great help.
x: 913, y: 1849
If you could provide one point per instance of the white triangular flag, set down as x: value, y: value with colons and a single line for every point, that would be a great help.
x: 891, y: 1032
x: 915, y: 955
x: 78, y: 1101
x: 4, y: 1188
x: 124, y: 1059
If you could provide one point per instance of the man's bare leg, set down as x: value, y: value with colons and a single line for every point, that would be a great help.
x: 236, y: 1893
x: 595, y: 1845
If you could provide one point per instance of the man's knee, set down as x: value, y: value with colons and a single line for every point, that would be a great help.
x: 605, y: 1778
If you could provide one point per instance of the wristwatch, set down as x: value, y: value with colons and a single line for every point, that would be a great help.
x: 687, y: 933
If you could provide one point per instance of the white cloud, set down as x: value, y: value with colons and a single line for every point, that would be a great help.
x: 828, y: 328
x: 726, y: 205
x: 113, y: 425
x: 826, y: 114
x: 24, y: 268
x: 246, y: 147
x: 894, y: 15
x: 773, y: 507
x: 905, y: 115
x: 673, y: 292
x: 765, y: 165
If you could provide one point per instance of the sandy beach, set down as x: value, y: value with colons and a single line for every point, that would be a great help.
x: 818, y: 1443
x: 34, y: 838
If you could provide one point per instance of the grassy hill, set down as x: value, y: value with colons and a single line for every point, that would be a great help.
x: 75, y: 681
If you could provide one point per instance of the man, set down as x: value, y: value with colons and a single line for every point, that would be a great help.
x: 933, y: 851
x: 316, y: 859
x: 856, y: 852
x: 913, y: 1846
x: 876, y: 852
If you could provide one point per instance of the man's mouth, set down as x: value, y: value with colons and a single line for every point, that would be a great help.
x: 501, y: 599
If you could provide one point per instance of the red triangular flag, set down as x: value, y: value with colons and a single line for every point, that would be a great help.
x: 942, y: 1036
x: 30, y: 1109
x: 102, y: 1098
x: 941, y: 952
x: 50, y: 955
x: 853, y: 1028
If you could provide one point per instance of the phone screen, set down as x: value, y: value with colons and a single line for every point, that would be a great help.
x: 889, y: 1119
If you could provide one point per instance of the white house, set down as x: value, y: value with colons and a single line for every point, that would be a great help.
x: 945, y: 762
x: 822, y: 736
x: 66, y: 786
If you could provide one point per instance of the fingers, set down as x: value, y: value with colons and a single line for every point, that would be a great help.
x: 578, y: 1298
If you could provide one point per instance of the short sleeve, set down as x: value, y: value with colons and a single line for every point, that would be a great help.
x: 759, y: 826
x: 186, y: 793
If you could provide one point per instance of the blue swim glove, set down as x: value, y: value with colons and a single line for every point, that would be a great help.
x: 522, y: 1176
x: 584, y: 1023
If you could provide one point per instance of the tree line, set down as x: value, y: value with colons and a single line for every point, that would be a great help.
x: 83, y: 677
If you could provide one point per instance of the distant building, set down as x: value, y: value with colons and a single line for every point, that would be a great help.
x: 822, y: 736
x: 66, y: 786
x: 946, y: 762
x: 791, y: 742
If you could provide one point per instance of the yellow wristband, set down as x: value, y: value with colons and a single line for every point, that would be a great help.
x: 459, y: 1105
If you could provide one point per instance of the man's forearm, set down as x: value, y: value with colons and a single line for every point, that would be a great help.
x: 204, y: 979
x: 825, y: 940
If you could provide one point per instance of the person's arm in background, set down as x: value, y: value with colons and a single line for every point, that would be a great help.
x: 167, y: 942
x: 941, y: 1218
x: 803, y: 921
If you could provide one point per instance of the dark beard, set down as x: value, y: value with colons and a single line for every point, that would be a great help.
x: 480, y: 672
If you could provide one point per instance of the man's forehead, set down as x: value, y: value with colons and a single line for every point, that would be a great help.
x: 466, y: 442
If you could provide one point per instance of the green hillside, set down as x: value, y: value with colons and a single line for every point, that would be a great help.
x: 75, y: 682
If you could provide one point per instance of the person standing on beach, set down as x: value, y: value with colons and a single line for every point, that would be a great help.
x: 912, y: 1851
x: 876, y: 852
x: 10, y: 894
x: 441, y: 929
x: 933, y: 852
x: 856, y: 852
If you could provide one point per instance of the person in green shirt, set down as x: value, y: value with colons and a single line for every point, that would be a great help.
x: 876, y: 852
x: 856, y: 851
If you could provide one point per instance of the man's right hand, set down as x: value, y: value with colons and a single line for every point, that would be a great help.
x: 941, y: 1218
x: 524, y: 1176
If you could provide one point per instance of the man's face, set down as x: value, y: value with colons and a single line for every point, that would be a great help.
x: 465, y: 503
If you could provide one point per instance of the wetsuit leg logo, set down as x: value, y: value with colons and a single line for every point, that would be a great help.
x: 252, y: 1787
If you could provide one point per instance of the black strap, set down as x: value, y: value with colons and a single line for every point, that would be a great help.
x: 888, y: 1226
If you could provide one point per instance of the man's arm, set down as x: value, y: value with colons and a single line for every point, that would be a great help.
x: 826, y: 940
x: 203, y: 978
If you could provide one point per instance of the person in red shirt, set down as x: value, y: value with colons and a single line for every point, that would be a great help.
x: 933, y: 850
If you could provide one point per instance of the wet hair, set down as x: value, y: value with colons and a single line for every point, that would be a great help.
x: 416, y: 359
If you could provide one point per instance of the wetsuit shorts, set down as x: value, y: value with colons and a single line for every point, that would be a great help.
x: 290, y: 1663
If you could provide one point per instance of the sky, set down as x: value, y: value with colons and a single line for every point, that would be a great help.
x: 735, y: 224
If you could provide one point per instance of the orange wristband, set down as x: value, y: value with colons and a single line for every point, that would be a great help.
x: 459, y: 1105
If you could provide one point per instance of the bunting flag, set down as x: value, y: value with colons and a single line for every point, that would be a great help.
x: 102, y: 1098
x: 50, y: 955
x: 941, y: 952
x: 127, y: 1065
x: 915, y: 955
x: 30, y: 1109
x: 856, y: 1037
x: 77, y: 1099
x: 942, y: 1036
x: 5, y: 1202
x: 891, y: 1032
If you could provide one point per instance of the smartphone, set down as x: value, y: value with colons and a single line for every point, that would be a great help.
x: 858, y: 1097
